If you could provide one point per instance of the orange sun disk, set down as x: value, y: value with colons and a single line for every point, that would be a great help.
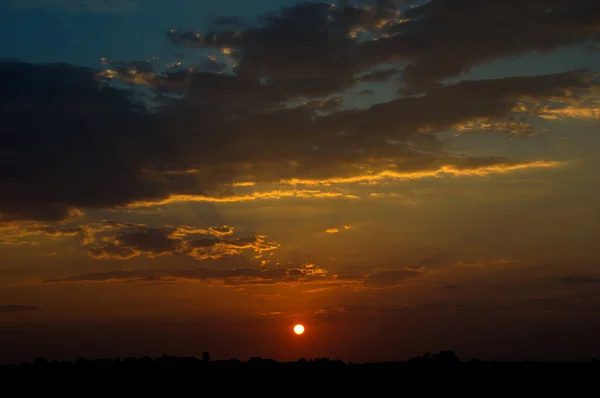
x: 298, y: 329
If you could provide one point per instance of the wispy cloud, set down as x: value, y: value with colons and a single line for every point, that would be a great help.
x: 18, y: 308
x: 306, y: 274
x: 448, y: 170
x: 571, y: 112
x: 233, y: 198
x: 580, y: 280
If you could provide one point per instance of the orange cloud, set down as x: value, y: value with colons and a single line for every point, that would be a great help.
x: 123, y: 240
x: 507, y: 127
x: 366, y: 178
x: 336, y: 230
x: 268, y: 195
x: 317, y: 278
x: 449, y: 170
x: 571, y: 112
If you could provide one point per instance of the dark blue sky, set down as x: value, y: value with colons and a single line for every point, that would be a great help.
x: 42, y: 33
x: 60, y: 31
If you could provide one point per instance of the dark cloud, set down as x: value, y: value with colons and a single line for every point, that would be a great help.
x: 212, y: 66
x: 448, y: 287
x: 453, y: 307
x: 18, y: 308
x: 436, y: 40
x: 13, y: 271
x: 444, y: 38
x: 264, y: 142
x: 580, y: 280
x: 387, y: 279
x: 572, y: 303
x: 71, y: 141
x: 307, y: 273
x: 448, y: 106
x: 293, y: 45
x: 68, y: 142
x: 151, y: 240
x: 333, y: 313
x: 127, y: 241
x: 124, y: 240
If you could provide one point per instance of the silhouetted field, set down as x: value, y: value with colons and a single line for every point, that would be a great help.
x: 423, y: 376
x: 312, y: 370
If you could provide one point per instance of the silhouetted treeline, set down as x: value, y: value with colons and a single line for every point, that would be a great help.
x: 428, y: 375
x: 445, y: 360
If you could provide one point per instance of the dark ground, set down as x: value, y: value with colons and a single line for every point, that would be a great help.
x: 439, y: 373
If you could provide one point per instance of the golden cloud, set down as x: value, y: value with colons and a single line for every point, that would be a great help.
x: 123, y: 240
x: 447, y: 170
x: 268, y: 195
x: 571, y: 112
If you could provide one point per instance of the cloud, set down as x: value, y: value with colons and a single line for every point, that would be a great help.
x: 13, y: 271
x: 148, y: 242
x: 307, y: 273
x: 571, y: 112
x: 387, y: 279
x: 310, y: 274
x: 214, y: 243
x: 337, y: 230
x: 317, y: 48
x: 336, y: 309
x: 71, y: 141
x: 124, y: 240
x: 507, y: 127
x: 437, y: 46
x: 19, y: 233
x: 272, y: 313
x: 65, y: 140
x: 470, y: 167
x: 223, y: 230
x: 580, y: 280
x: 566, y: 303
x: 18, y: 308
x: 448, y: 287
x: 268, y: 195
x: 450, y: 106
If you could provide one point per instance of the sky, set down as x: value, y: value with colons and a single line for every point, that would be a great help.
x: 398, y: 176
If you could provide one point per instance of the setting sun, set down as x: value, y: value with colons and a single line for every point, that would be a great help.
x: 299, y: 329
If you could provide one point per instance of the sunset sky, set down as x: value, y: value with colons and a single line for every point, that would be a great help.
x: 398, y: 176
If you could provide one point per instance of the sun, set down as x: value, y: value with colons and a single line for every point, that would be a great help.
x: 298, y: 329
